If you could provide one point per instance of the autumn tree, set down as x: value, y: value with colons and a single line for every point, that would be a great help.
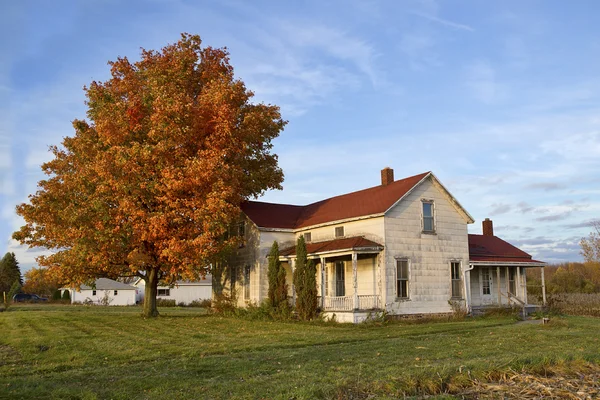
x: 305, y: 282
x: 9, y: 272
x: 149, y: 183
x: 590, y: 246
x: 277, y: 285
x: 41, y: 282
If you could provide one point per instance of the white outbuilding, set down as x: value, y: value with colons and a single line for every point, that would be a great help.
x: 105, y: 292
x: 181, y: 291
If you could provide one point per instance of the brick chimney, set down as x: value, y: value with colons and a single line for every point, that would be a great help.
x: 488, y: 227
x: 387, y: 176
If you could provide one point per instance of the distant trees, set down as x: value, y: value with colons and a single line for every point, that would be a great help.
x: 41, y: 282
x: 277, y: 286
x: 305, y: 281
x: 566, y: 278
x: 590, y: 246
x: 9, y: 272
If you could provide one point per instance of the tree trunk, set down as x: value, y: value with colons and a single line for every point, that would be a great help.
x: 150, y: 310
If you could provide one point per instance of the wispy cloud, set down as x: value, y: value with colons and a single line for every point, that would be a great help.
x: 498, y: 209
x: 545, y: 186
x: 445, y: 22
x: 481, y: 79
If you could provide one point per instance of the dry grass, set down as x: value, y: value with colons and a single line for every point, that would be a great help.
x: 574, y: 380
x: 585, y: 304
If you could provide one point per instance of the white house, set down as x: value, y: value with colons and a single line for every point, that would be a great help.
x: 402, y: 246
x: 181, y: 291
x: 104, y: 291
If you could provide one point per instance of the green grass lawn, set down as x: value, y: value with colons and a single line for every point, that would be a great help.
x: 83, y: 352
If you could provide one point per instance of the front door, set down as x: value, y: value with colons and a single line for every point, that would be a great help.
x: 486, y: 285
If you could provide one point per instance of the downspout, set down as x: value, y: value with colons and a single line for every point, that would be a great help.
x: 468, y: 287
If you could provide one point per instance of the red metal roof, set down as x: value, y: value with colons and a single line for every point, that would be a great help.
x: 351, y: 243
x: 374, y: 200
x: 493, y: 249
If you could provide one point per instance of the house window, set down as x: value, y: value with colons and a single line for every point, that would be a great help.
x: 428, y: 222
x: 93, y: 292
x: 340, y: 278
x: 164, y: 292
x: 247, y: 282
x: 116, y: 291
x: 511, y: 281
x: 402, y: 279
x: 242, y: 229
x: 456, y: 280
x: 233, y: 277
x: 339, y: 231
x: 307, y: 237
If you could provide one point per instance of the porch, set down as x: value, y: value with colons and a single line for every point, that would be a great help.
x: 500, y: 285
x: 348, y: 274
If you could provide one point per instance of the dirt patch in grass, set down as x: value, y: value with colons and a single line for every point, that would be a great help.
x: 557, y: 382
x: 8, y: 355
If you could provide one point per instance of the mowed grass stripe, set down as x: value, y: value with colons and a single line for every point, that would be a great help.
x: 123, y: 356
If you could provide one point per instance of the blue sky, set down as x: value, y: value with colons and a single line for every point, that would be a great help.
x: 499, y: 99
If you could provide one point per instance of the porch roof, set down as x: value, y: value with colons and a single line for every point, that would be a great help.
x: 485, y: 249
x: 357, y: 243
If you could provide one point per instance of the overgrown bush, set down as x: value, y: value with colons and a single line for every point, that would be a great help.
x: 165, y: 303
x: 202, y: 303
x: 223, y: 303
x: 459, y: 310
x: 56, y: 295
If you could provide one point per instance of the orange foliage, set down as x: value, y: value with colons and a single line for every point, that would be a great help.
x: 39, y: 281
x: 173, y: 145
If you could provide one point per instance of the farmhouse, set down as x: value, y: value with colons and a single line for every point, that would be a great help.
x: 401, y: 246
x: 104, y: 291
x: 184, y: 292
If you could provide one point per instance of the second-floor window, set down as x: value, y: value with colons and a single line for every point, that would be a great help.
x: 307, y: 237
x: 428, y: 220
x: 339, y: 231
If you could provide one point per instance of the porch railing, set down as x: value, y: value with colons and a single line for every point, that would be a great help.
x: 368, y: 302
x: 346, y: 303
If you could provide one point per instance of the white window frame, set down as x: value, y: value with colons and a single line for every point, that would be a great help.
x: 307, y: 237
x: 407, y: 279
x: 458, y: 280
x: 116, y: 292
x: 339, y: 229
x: 166, y: 292
x: 423, y: 202
x: 93, y: 292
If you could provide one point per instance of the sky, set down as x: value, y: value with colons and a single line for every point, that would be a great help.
x: 500, y: 100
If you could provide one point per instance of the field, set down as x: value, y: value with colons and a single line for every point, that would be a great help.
x: 79, y: 352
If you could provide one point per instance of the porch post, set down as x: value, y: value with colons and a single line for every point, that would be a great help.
x: 323, y: 283
x: 520, y: 284
x: 293, y: 266
x: 543, y: 288
x: 524, y: 285
x: 499, y: 292
x: 355, y: 278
